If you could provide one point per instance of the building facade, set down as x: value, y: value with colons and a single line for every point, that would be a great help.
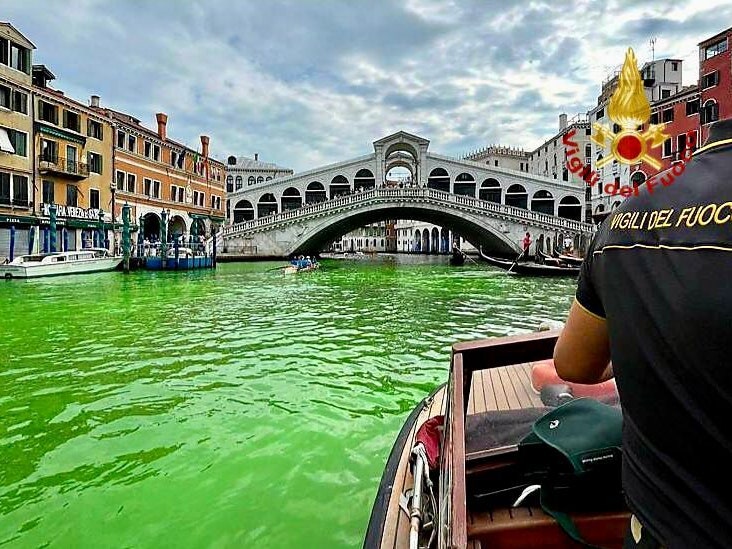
x: 715, y: 80
x: 499, y: 156
x: 73, y: 151
x: 164, y: 180
x: 244, y: 172
x: 16, y: 140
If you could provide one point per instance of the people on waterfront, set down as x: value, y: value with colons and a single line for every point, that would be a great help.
x: 652, y: 296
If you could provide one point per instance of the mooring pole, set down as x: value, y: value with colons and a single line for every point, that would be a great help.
x: 126, y: 236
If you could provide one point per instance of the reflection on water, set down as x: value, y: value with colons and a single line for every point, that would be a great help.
x: 231, y: 408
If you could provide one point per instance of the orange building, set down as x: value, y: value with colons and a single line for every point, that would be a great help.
x: 160, y: 177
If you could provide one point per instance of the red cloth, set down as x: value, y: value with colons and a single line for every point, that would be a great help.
x: 430, y: 435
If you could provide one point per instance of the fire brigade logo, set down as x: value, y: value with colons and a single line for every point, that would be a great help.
x: 629, y: 108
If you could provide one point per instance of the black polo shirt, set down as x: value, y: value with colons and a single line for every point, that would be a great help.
x: 660, y: 271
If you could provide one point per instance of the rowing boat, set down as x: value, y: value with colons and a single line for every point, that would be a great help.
x: 530, y: 268
x: 445, y: 507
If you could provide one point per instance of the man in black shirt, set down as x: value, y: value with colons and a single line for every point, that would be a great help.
x: 653, y: 294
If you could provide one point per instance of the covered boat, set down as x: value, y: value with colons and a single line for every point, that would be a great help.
x: 454, y: 505
x: 530, y: 268
x: 88, y: 260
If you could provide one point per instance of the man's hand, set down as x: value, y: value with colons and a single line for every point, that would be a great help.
x: 582, y: 353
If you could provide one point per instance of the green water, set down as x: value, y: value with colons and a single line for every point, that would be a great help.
x: 235, y: 408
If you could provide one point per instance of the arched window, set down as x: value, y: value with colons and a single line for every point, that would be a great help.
x: 231, y: 161
x: 542, y: 202
x: 570, y: 208
x: 229, y: 183
x: 260, y: 179
x: 315, y: 192
x: 710, y: 112
x: 465, y: 185
x: 517, y: 196
x: 490, y: 190
x: 638, y: 178
x: 439, y: 180
x: 339, y: 186
x: 267, y: 205
x: 291, y: 199
x: 251, y: 180
x: 364, y: 179
x: 268, y: 178
x: 243, y: 211
x: 239, y: 182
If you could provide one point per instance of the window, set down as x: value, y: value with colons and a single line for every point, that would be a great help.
x: 47, y: 192
x: 147, y: 183
x: 156, y: 153
x: 47, y: 112
x: 121, y: 138
x: 49, y: 150
x: 680, y: 142
x: 599, y: 114
x: 695, y: 140
x: 173, y: 192
x: 495, y: 163
x: 229, y: 184
x: 268, y: 178
x: 710, y: 80
x: 148, y: 149
x: 19, y: 140
x: 95, y: 162
x: 199, y: 198
x: 5, y: 96
x: 120, y: 180
x: 131, y: 143
x: 715, y: 49
x: 260, y: 179
x: 667, y: 147
x: 20, y: 101
x: 173, y: 158
x: 668, y: 115
x: 131, y: 182
x: 250, y: 181
x: 616, y: 128
x: 588, y: 131
x: 4, y: 188
x: 521, y: 166
x: 156, y: 189
x: 72, y: 121
x: 19, y: 58
x: 20, y: 190
x: 72, y: 195
x: 94, y: 129
x: 94, y: 199
x: 692, y: 107
x: 665, y: 94
x: 674, y: 65
x: 181, y: 191
x: 710, y: 112
x: 4, y: 52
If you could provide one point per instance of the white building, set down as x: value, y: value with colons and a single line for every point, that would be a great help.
x: 499, y: 156
x: 242, y: 172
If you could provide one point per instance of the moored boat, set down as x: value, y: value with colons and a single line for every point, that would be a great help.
x: 530, y: 268
x: 463, y: 501
x: 89, y: 260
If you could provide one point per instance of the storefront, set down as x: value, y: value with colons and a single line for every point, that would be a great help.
x: 76, y: 228
x: 18, y: 230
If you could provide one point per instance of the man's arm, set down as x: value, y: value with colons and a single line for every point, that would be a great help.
x: 582, y: 353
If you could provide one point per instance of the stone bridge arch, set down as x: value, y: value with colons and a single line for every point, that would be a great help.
x: 479, y: 230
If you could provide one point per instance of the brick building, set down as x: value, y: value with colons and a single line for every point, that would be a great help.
x: 715, y: 80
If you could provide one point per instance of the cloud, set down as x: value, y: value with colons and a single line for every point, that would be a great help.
x: 308, y: 83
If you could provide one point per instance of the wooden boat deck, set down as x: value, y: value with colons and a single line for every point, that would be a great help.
x: 502, y: 388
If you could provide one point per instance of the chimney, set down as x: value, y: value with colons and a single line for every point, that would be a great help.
x: 562, y: 121
x: 162, y: 119
x: 204, y: 145
x: 94, y: 101
x: 256, y: 157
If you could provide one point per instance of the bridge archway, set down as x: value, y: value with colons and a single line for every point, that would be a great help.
x: 542, y: 202
x: 243, y: 211
x: 364, y: 179
x: 465, y: 185
x: 291, y: 199
x: 475, y: 228
x: 570, y: 208
x: 151, y: 229
x: 517, y: 196
x: 339, y: 185
x: 439, y: 180
x: 267, y: 205
x: 490, y: 191
x: 435, y: 242
x: 315, y: 192
x: 177, y: 226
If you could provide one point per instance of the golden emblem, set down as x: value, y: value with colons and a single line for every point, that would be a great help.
x: 629, y: 108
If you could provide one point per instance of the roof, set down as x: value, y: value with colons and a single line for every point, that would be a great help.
x: 404, y: 136
x: 246, y: 163
x: 716, y: 37
x: 19, y: 36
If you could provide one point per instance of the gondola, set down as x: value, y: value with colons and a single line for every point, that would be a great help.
x: 458, y: 257
x: 456, y: 499
x: 530, y: 269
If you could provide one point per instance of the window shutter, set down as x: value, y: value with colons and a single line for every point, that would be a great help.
x: 66, y: 119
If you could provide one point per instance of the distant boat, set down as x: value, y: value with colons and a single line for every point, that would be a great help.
x: 530, y: 269
x: 89, y: 260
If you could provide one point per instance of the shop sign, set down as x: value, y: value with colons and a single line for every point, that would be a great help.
x: 72, y: 211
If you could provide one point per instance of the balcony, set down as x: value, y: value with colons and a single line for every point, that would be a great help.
x: 71, y: 169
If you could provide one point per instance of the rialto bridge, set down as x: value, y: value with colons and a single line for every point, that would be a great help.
x: 488, y: 205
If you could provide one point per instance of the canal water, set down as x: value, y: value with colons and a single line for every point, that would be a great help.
x: 235, y: 408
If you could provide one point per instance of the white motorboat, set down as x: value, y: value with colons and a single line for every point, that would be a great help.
x: 89, y: 260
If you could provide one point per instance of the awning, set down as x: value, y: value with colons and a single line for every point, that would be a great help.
x: 5, y: 144
x: 63, y: 134
x: 18, y: 220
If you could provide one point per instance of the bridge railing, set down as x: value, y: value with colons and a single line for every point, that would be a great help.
x: 418, y: 193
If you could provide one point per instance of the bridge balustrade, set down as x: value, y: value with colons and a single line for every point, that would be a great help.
x: 420, y: 193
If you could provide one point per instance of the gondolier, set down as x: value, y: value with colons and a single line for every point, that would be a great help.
x: 527, y: 243
x: 663, y: 276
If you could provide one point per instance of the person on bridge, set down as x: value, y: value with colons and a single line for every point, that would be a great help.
x: 652, y: 296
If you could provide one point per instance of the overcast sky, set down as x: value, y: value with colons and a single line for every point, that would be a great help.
x: 309, y: 82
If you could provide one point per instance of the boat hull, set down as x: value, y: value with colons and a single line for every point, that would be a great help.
x: 58, y: 269
x: 180, y: 264
x: 530, y: 269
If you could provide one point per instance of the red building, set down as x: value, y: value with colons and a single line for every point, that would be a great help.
x: 715, y: 80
